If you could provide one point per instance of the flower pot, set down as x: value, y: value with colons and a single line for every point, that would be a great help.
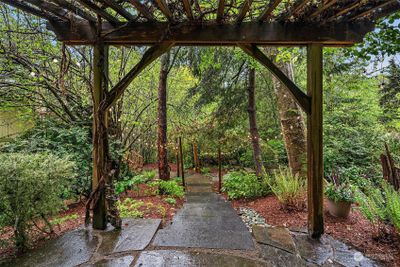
x: 339, y: 209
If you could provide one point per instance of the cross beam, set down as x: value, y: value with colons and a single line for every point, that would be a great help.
x: 274, y: 33
x: 301, y: 98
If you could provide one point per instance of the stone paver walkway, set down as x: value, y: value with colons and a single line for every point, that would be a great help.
x: 206, y: 232
x: 205, y: 221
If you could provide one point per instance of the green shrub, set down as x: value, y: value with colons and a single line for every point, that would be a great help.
x: 240, y: 184
x: 31, y: 187
x: 380, y: 205
x: 170, y: 200
x: 131, y: 183
x: 171, y: 188
x: 205, y: 170
x: 288, y: 188
x: 60, y: 220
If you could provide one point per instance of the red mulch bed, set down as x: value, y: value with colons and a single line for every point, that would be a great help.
x: 355, y: 231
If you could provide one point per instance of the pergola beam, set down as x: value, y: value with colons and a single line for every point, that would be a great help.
x: 142, y: 9
x: 243, y: 11
x: 102, y: 13
x: 149, y: 56
x: 162, y: 5
x: 188, y: 9
x: 301, y: 98
x: 50, y: 7
x: 300, y: 4
x: 31, y: 10
x: 266, y: 15
x: 220, y: 10
x: 120, y: 10
x: 75, y: 9
x: 371, y: 10
x: 345, y: 10
x: 275, y: 33
x: 322, y: 8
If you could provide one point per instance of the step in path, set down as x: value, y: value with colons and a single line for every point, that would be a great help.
x: 206, y: 220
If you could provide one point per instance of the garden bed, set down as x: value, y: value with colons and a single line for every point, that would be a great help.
x: 355, y: 231
x: 73, y: 217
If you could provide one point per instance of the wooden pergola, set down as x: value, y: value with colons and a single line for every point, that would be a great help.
x: 162, y: 24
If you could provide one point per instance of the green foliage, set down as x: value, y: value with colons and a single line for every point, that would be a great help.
x: 380, y: 204
x: 341, y: 192
x: 170, y: 200
x: 31, y: 186
x: 62, y: 140
x: 131, y: 183
x: 241, y: 184
x: 129, y: 208
x: 171, y: 188
x: 60, y: 220
x: 205, y: 170
x: 288, y: 188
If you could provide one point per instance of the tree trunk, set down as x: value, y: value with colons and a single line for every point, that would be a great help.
x: 254, y: 135
x: 292, y: 121
x: 163, y: 167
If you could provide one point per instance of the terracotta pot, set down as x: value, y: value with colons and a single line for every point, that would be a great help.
x: 339, y: 209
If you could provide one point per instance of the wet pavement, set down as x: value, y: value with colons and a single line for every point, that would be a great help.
x: 206, y: 232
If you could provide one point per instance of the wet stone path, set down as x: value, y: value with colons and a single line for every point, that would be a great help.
x: 206, y: 232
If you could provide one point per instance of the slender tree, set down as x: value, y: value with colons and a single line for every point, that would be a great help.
x: 291, y: 120
x: 254, y: 135
x: 163, y: 167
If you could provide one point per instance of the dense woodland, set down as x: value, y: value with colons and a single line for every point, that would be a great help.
x: 214, y: 98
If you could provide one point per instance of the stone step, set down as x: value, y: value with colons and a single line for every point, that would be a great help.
x: 206, y: 211
x: 217, y: 223
x: 211, y: 238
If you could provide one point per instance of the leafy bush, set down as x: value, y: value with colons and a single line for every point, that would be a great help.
x: 170, y: 200
x: 171, y: 188
x: 61, y: 140
x: 130, y: 183
x: 31, y: 186
x: 241, y: 184
x: 129, y: 208
x: 288, y: 188
x: 379, y: 205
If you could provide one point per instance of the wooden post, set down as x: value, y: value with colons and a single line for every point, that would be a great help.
x: 178, y: 168
x: 196, y: 157
x: 181, y: 158
x: 219, y: 170
x: 100, y: 69
x: 314, y: 141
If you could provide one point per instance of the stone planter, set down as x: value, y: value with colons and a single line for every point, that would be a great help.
x: 339, y: 209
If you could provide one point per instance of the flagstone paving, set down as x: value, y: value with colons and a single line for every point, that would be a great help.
x: 206, y: 232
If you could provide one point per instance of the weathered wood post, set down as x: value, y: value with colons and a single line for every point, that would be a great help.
x: 100, y: 70
x: 314, y: 141
x: 219, y: 169
x: 178, y: 168
x: 181, y: 160
x: 196, y: 161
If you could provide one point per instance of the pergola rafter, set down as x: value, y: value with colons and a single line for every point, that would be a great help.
x: 313, y: 24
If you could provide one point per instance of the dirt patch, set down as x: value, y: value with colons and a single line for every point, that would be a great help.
x: 355, y: 231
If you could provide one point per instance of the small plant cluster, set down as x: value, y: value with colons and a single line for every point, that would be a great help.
x: 339, y: 190
x: 131, y: 183
x: 288, y: 188
x: 171, y: 188
x: 380, y: 205
x: 31, y: 189
x: 131, y: 208
x: 241, y: 184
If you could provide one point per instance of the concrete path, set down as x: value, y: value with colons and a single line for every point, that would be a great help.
x: 205, y: 221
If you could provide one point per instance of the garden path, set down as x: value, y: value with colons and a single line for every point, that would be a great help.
x: 206, y: 232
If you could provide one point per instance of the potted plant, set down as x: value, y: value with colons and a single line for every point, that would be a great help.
x: 340, y: 197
